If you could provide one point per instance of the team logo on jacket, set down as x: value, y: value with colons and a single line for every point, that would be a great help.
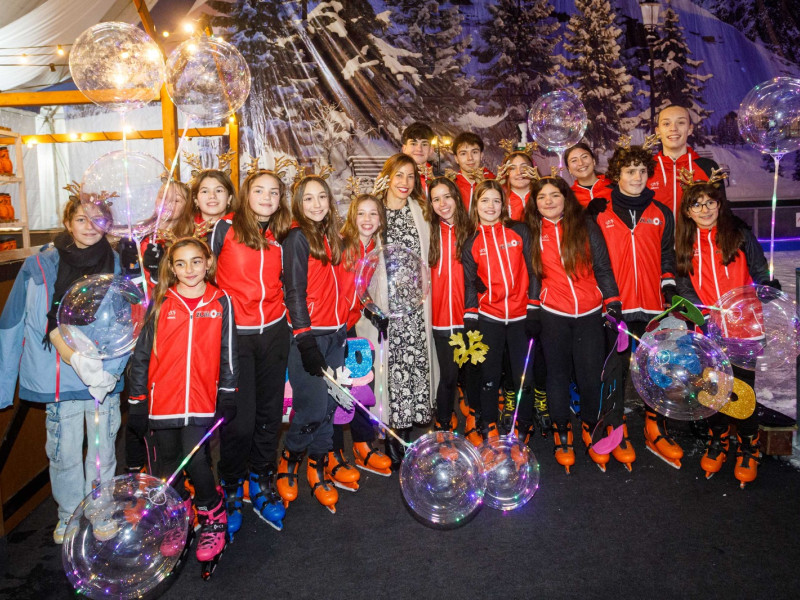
x: 171, y: 314
x: 655, y: 221
x: 654, y: 185
x: 609, y: 223
x: 208, y: 314
x: 546, y: 237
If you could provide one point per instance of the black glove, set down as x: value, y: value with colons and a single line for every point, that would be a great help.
x: 138, y: 418
x: 774, y: 283
x: 380, y: 323
x: 129, y: 258
x: 533, y: 324
x: 152, y: 259
x: 614, y: 310
x: 226, y: 405
x: 669, y: 291
x: 313, y: 361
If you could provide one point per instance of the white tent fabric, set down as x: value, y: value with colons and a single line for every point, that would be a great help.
x: 50, y: 22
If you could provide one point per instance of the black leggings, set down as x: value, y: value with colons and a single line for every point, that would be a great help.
x: 251, y: 439
x: 448, y: 377
x: 171, y: 446
x: 501, y: 337
x: 570, y: 345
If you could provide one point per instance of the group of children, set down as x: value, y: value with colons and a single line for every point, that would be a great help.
x: 245, y: 287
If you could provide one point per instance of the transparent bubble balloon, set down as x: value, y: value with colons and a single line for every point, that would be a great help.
x: 125, y: 538
x: 769, y: 116
x: 442, y: 480
x: 101, y: 316
x: 120, y: 193
x: 557, y: 120
x: 682, y: 374
x: 207, y: 78
x: 392, y: 281
x: 512, y: 473
x: 756, y: 326
x: 117, y: 65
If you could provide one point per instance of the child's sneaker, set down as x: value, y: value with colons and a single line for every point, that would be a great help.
x: 60, y: 531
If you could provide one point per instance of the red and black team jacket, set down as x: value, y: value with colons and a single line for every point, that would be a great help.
x: 196, y: 357
x: 312, y: 289
x: 574, y: 296
x: 496, y: 259
x: 447, y: 283
x: 665, y: 182
x: 600, y: 189
x: 466, y: 187
x: 347, y: 286
x: 641, y: 245
x: 252, y: 278
x: 712, y: 279
x: 516, y: 204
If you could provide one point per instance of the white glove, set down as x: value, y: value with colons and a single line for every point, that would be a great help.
x: 90, y: 370
x: 100, y: 391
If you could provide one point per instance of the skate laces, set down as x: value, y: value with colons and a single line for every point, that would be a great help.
x: 540, y: 401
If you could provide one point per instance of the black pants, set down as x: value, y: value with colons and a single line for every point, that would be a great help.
x: 312, y: 427
x: 501, y: 337
x: 744, y: 427
x: 171, y: 446
x: 448, y: 377
x: 573, y: 344
x: 251, y: 439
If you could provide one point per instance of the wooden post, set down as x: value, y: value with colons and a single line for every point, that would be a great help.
x: 169, y: 126
x: 233, y: 138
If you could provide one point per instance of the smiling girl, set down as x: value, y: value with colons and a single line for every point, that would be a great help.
x: 588, y: 184
x: 250, y: 269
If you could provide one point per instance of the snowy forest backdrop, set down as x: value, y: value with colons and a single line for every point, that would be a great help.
x: 341, y: 78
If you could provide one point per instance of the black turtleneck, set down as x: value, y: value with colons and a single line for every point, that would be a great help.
x: 630, y: 208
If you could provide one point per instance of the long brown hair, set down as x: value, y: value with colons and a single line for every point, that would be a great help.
x: 246, y: 227
x: 186, y: 224
x: 167, y: 277
x: 480, y: 190
x: 729, y: 236
x: 391, y: 166
x: 461, y: 222
x: 575, y: 251
x: 316, y: 232
x: 351, y: 242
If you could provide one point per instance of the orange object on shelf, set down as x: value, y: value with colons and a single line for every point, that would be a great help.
x: 6, y: 208
x: 7, y: 242
x: 6, y: 166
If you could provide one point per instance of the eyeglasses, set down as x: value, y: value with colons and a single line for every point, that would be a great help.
x: 697, y: 207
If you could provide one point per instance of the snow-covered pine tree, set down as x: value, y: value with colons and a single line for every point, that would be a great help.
x: 517, y: 49
x: 727, y: 133
x: 592, y: 66
x: 434, y: 32
x: 677, y: 80
x: 283, y: 95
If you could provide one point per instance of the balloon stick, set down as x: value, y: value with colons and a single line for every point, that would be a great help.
x: 521, y: 383
x: 175, y: 159
x: 193, y: 451
x: 777, y: 158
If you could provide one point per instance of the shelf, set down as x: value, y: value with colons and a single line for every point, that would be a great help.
x: 17, y: 225
x: 10, y: 179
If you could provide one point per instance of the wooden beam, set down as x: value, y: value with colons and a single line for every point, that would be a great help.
x: 43, y: 98
x: 147, y: 20
x: 101, y: 136
x: 169, y: 131
x: 233, y: 138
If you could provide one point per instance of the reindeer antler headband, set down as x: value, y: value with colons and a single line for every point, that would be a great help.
x: 223, y: 159
x: 649, y: 142
x: 510, y: 146
x: 687, y: 180
x: 74, y: 190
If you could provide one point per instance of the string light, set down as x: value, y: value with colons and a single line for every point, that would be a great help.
x: 24, y: 57
x: 60, y: 50
x: 188, y: 27
x: 165, y: 34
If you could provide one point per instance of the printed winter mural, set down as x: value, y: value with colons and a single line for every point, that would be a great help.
x: 339, y: 79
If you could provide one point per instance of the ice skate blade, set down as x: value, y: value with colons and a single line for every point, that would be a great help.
x: 331, y: 508
x: 709, y: 474
x: 349, y: 487
x: 674, y: 463
x: 276, y: 525
x: 601, y: 467
x: 628, y: 466
x: 381, y: 473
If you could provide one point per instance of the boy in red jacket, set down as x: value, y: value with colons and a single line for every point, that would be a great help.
x: 468, y: 152
x: 417, y: 142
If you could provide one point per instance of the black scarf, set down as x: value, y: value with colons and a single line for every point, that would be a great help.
x: 630, y: 208
x: 73, y: 264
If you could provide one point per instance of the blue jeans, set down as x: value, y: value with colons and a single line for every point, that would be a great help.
x: 70, y: 476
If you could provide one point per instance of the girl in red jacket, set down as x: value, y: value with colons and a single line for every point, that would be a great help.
x: 366, y: 218
x: 213, y: 196
x: 318, y: 318
x: 516, y: 169
x: 450, y: 228
x: 495, y: 259
x: 184, y: 369
x: 715, y: 253
x: 570, y: 258
x: 250, y: 268
x: 588, y: 184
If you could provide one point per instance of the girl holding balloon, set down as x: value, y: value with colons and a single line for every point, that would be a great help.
x: 365, y: 220
x: 717, y: 252
x: 496, y: 260
x: 250, y: 269
x: 52, y: 373
x: 318, y: 318
x: 184, y: 371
